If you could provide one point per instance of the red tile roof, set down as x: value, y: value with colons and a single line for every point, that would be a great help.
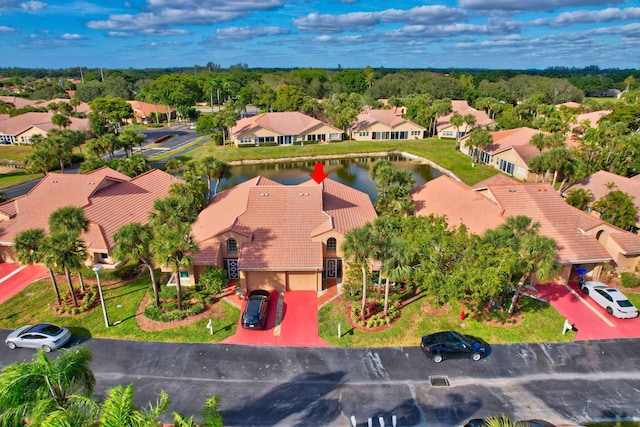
x: 598, y: 185
x: 491, y: 203
x: 109, y: 199
x: 282, y: 123
x: 516, y: 139
x: 385, y: 117
x: 462, y: 107
x: 145, y: 109
x: 282, y: 220
x: 18, y: 124
x: 445, y: 196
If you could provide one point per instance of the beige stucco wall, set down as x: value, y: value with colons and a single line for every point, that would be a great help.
x: 381, y: 127
x: 263, y: 132
x: 23, y: 138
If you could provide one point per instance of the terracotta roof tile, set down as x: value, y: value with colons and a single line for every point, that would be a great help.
x: 282, y: 220
x: 282, y: 123
x: 629, y: 242
x: 385, y: 117
x: 445, y: 196
x: 462, y: 107
x: 18, y: 124
x: 109, y: 199
x: 515, y: 139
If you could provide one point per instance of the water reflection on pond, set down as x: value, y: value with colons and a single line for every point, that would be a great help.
x: 353, y: 172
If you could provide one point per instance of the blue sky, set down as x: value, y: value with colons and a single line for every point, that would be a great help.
x: 494, y: 34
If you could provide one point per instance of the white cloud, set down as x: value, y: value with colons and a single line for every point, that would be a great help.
x: 68, y: 36
x: 328, y: 24
x: 244, y: 33
x: 120, y: 34
x: 32, y: 6
x: 517, y: 5
x: 7, y: 30
x: 594, y: 16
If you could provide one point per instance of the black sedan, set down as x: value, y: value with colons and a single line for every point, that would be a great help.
x: 450, y: 344
x: 255, y: 312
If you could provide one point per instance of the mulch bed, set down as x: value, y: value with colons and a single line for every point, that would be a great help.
x: 211, y: 310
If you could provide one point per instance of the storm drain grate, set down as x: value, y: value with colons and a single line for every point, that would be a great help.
x: 439, y: 381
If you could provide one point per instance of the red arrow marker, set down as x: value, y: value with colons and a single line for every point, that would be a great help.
x: 318, y: 174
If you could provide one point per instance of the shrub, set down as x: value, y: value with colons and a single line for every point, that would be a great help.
x: 169, y: 312
x: 213, y: 280
x: 629, y: 280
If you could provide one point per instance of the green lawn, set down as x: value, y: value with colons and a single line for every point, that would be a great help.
x: 122, y: 301
x: 541, y: 323
x: 439, y: 151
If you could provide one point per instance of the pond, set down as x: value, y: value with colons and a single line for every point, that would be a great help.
x: 353, y: 172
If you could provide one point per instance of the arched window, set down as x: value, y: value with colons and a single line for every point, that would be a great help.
x: 331, y: 244
x: 232, y: 246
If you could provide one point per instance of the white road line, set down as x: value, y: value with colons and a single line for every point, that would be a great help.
x: 13, y: 273
x: 585, y: 302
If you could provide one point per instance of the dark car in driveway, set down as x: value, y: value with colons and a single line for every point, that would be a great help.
x: 255, y: 311
x: 451, y: 344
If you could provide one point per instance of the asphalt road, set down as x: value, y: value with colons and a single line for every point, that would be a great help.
x: 181, y: 136
x: 565, y: 383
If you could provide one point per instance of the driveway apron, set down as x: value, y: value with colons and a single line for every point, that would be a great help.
x: 292, y: 321
x: 591, y: 320
x: 14, y: 278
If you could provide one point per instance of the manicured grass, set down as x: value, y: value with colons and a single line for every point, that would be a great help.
x: 15, y: 177
x: 439, y: 151
x: 541, y: 323
x: 122, y: 301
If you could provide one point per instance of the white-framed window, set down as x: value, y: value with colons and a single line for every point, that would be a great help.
x: 184, y: 275
x: 505, y: 166
x: 416, y: 132
x: 363, y: 133
x: 447, y: 133
x: 334, y: 136
x: 232, y: 246
x: 246, y: 140
x: 331, y: 244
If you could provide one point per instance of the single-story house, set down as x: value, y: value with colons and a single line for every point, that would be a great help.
x: 278, y: 237
x: 598, y: 184
x: 19, y: 129
x: 445, y: 129
x: 19, y: 102
x: 510, y: 152
x: 109, y: 199
x: 583, y: 240
x: 145, y: 112
x: 282, y: 128
x: 375, y: 125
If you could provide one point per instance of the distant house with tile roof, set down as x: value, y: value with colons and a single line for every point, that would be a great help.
x: 598, y: 184
x: 19, y: 129
x: 445, y: 129
x: 19, y: 102
x: 282, y: 128
x: 509, y: 153
x: 279, y: 237
x: 145, y: 112
x: 583, y: 240
x: 377, y: 125
x: 109, y: 199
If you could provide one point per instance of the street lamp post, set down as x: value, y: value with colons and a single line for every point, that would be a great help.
x: 96, y: 269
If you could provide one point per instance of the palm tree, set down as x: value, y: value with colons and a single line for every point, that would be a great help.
x: 221, y: 170
x: 357, y: 247
x: 396, y: 266
x: 28, y: 246
x: 70, y: 219
x: 119, y: 409
x: 538, y: 255
x: 35, y: 389
x: 579, y: 198
x: 477, y: 140
x: 67, y: 252
x: 206, y: 166
x: 457, y: 121
x: 172, y: 246
x: 172, y: 209
x: 132, y: 242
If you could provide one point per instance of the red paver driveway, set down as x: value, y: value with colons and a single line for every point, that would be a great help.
x: 14, y: 278
x: 298, y: 325
x: 591, y: 320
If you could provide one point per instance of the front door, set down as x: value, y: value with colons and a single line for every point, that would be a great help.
x: 332, y: 268
x: 231, y: 265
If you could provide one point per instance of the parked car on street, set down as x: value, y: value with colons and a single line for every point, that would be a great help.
x: 255, y: 312
x: 451, y: 344
x: 43, y: 335
x: 610, y: 299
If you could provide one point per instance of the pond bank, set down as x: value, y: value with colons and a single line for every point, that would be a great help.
x: 348, y: 156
